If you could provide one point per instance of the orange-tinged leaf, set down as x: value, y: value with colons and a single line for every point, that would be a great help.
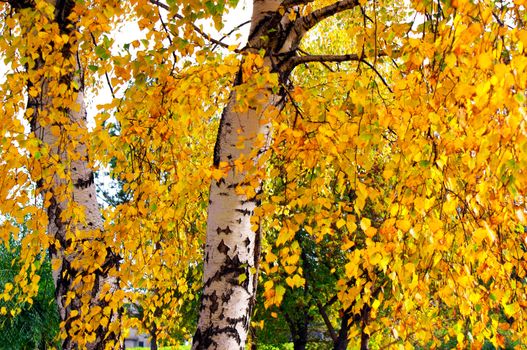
x: 404, y: 225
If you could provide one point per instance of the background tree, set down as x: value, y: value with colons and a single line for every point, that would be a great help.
x: 36, y: 325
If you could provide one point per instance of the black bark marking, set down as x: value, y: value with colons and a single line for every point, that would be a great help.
x: 247, y: 242
x: 217, y: 146
x: 234, y: 185
x: 213, y: 302
x: 205, y: 340
x: 250, y: 200
x: 238, y: 80
x: 225, y: 230
x: 226, y: 297
x: 85, y: 183
x: 231, y: 270
x: 223, y: 248
x: 245, y: 212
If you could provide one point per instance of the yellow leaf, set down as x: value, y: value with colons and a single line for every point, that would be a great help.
x: 270, y: 257
x: 289, y: 269
x: 485, y: 60
x: 403, y: 225
x: 370, y: 231
x: 511, y: 309
x: 351, y: 226
x: 217, y: 174
x: 365, y: 223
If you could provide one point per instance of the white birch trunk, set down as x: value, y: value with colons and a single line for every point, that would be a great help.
x: 78, y: 244
x: 72, y: 235
x: 232, y: 248
x: 233, y: 241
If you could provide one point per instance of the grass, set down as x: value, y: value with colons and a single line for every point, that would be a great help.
x: 181, y: 347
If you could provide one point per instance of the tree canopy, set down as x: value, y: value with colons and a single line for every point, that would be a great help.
x: 366, y: 158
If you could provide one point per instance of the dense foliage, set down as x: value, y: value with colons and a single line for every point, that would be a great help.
x: 388, y: 186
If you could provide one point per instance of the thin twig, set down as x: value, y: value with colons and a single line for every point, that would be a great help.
x: 323, y: 63
x: 168, y: 33
x: 232, y: 31
x: 378, y: 74
x: 105, y: 72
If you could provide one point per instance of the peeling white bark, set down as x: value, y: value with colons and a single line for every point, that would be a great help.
x: 232, y: 247
x: 233, y: 244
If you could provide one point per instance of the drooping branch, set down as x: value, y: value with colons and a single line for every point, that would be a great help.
x: 378, y: 74
x: 325, y: 317
x: 295, y: 61
x: 194, y: 26
x: 238, y: 27
x: 108, y: 82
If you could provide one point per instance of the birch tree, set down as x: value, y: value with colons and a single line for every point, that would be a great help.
x: 232, y: 251
x: 46, y: 55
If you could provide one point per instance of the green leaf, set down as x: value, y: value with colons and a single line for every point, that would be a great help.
x: 101, y: 52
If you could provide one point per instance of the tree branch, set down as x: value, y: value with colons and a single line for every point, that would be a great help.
x: 378, y: 74
x: 233, y: 30
x: 309, y: 21
x: 105, y: 72
x: 295, y: 61
x: 20, y: 4
x: 325, y: 317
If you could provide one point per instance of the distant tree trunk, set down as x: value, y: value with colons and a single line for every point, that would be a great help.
x: 365, y: 319
x: 153, y: 337
x: 232, y: 248
x: 60, y: 125
x: 341, y: 342
x: 298, y: 326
